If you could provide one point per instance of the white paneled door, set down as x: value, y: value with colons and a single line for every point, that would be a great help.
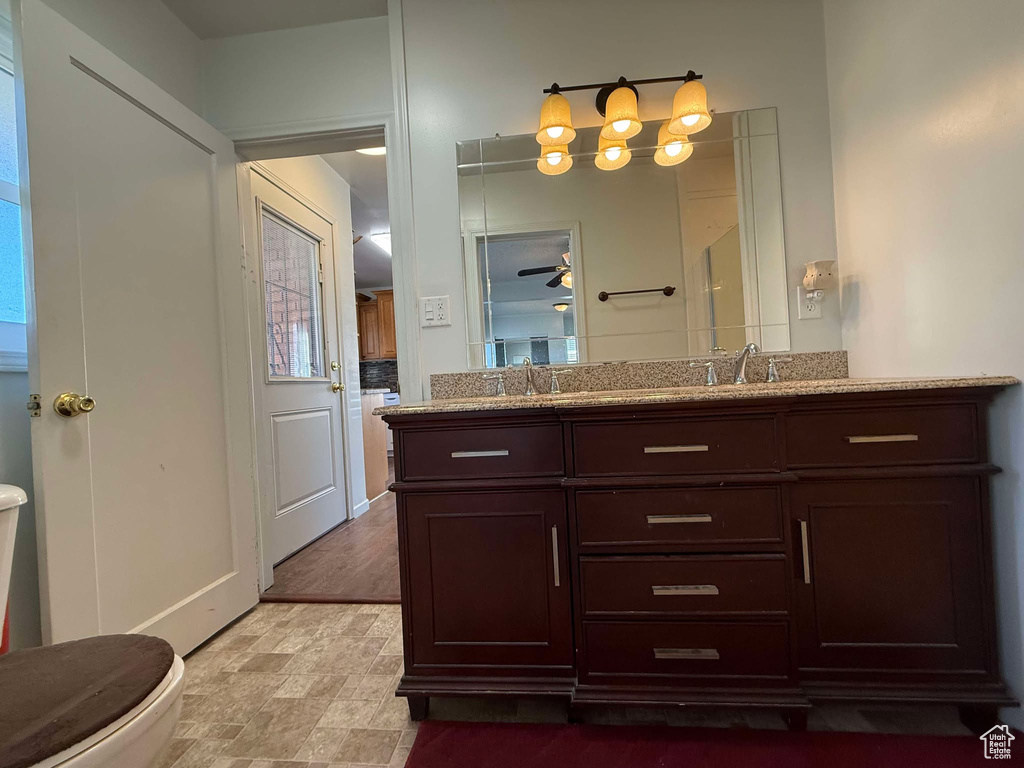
x: 146, y: 502
x: 297, y: 368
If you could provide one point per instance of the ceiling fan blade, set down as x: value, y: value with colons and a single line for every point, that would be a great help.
x: 539, y: 270
x: 555, y: 281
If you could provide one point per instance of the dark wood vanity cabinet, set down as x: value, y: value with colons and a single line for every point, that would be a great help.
x: 762, y: 552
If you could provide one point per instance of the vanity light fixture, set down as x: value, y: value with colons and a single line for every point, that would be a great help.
x: 672, y: 149
x: 560, y: 306
x: 611, y: 154
x: 690, y: 107
x: 554, y: 160
x: 555, y: 121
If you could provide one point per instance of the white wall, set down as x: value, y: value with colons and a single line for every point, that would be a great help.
x: 147, y: 36
x: 315, y: 180
x: 476, y: 69
x: 927, y: 116
x: 16, y: 469
x: 294, y: 80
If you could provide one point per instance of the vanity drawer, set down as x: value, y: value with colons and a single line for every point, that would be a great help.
x: 683, y: 585
x: 683, y: 649
x: 680, y: 447
x: 484, y: 452
x: 883, y: 436
x: 677, y: 518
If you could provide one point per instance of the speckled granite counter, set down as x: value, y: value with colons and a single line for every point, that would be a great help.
x: 698, y: 393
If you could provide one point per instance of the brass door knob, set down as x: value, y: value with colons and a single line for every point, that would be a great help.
x: 337, y: 386
x: 72, y: 404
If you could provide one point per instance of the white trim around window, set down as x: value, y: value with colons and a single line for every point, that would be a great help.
x: 13, y: 348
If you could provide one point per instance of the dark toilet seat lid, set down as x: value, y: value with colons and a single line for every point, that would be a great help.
x: 55, y: 697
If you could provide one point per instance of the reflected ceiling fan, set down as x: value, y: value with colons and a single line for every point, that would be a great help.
x: 562, y: 277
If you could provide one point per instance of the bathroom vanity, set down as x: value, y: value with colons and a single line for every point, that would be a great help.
x: 767, y: 545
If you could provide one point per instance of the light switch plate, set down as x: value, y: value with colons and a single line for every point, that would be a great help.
x: 808, y: 308
x: 434, y: 310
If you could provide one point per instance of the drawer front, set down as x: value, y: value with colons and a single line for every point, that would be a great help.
x: 687, y: 649
x: 483, y: 452
x: 883, y: 436
x: 630, y: 586
x: 684, y: 447
x: 678, y: 518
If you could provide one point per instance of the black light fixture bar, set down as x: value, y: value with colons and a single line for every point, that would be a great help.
x: 556, y: 88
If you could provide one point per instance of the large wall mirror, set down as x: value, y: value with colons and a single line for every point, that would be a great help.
x: 644, y: 262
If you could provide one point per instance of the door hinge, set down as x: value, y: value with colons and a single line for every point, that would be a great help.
x: 34, y: 406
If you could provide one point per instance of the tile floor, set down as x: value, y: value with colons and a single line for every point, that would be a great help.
x: 312, y: 686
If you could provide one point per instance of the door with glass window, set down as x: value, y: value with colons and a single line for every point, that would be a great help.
x: 297, y: 367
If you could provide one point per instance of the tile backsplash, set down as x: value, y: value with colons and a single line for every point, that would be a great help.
x: 655, y: 374
x: 378, y: 374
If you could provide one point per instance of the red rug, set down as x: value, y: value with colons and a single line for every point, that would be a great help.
x: 501, y: 745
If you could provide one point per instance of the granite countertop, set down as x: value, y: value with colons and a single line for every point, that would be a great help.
x: 688, y: 394
x: 377, y: 391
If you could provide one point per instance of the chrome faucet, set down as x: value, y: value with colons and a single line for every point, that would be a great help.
x: 531, y: 384
x: 740, y: 376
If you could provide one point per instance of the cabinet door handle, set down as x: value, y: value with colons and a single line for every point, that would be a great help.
x: 676, y: 449
x: 477, y: 454
x: 554, y: 555
x: 860, y: 439
x: 806, y: 550
x: 657, y: 519
x: 708, y: 654
x: 685, y: 589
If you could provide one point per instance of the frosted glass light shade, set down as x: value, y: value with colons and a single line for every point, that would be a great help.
x: 611, y: 154
x: 567, y: 279
x: 555, y: 122
x: 672, y: 149
x: 690, y: 109
x: 620, y: 116
x: 554, y: 160
x: 560, y: 306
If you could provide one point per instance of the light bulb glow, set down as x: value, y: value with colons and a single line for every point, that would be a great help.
x: 553, y: 158
x: 612, y: 153
x: 373, y: 151
x: 674, y: 148
x: 555, y: 131
x: 620, y: 125
x: 567, y: 279
x: 689, y: 119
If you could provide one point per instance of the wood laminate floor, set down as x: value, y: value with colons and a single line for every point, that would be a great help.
x: 357, y: 562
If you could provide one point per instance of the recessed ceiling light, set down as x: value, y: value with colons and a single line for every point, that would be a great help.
x: 373, y: 151
x: 383, y: 241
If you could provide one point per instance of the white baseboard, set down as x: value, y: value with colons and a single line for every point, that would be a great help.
x: 360, y: 508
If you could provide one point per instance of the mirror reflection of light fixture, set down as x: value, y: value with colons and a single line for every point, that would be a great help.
x: 560, y: 306
x: 554, y: 160
x: 690, y: 107
x: 374, y: 151
x: 672, y: 149
x: 621, y: 120
x: 566, y: 279
x: 555, y: 121
x: 383, y: 241
x: 611, y: 154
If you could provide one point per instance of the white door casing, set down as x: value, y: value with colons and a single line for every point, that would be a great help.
x: 300, y: 421
x: 136, y: 297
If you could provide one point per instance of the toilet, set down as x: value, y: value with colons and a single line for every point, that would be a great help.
x: 110, y: 701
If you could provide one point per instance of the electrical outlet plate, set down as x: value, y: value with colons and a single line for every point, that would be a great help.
x: 435, y: 310
x: 808, y: 308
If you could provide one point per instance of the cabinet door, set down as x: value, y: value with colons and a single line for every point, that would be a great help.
x: 889, y: 576
x: 487, y: 582
x: 369, y: 330
x: 386, y: 312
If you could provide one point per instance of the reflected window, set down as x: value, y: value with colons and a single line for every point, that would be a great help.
x: 12, y: 269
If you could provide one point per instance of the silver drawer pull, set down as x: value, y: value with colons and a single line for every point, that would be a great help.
x: 477, y: 454
x: 685, y: 589
x: 708, y: 654
x: 805, y: 548
x: 675, y: 449
x: 657, y: 519
x: 858, y: 439
x: 554, y: 555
